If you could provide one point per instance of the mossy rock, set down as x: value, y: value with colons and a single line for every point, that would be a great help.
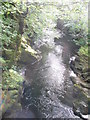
x: 81, y: 99
x: 81, y: 67
x: 80, y: 93
x: 27, y: 47
x: 26, y: 57
x: 81, y: 106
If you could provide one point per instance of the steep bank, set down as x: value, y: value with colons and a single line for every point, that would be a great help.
x: 12, y: 45
x: 79, y: 65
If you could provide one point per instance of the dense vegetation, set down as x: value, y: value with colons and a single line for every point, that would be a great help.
x: 22, y: 24
x: 76, y: 17
x: 10, y: 45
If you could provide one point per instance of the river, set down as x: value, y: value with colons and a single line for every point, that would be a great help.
x: 49, y: 92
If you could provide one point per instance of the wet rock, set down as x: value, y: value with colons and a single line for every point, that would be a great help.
x: 26, y: 57
x: 80, y: 105
x: 78, y: 81
x: 28, y: 54
x: 48, y: 93
x: 78, y: 113
x: 89, y: 105
x: 80, y: 68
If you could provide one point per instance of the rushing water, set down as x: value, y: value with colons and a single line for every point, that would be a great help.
x: 49, y: 92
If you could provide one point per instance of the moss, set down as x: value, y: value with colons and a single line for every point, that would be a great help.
x: 76, y: 85
x: 28, y: 47
x: 28, y: 55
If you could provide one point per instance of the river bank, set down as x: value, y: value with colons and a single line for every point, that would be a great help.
x: 79, y: 75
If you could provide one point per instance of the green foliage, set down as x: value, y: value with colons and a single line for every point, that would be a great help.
x: 28, y: 48
x: 76, y: 19
x: 9, y: 18
x: 9, y: 24
x: 2, y: 61
x: 84, y: 51
x: 34, y: 22
x: 11, y: 85
x: 80, y: 41
x: 11, y: 80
